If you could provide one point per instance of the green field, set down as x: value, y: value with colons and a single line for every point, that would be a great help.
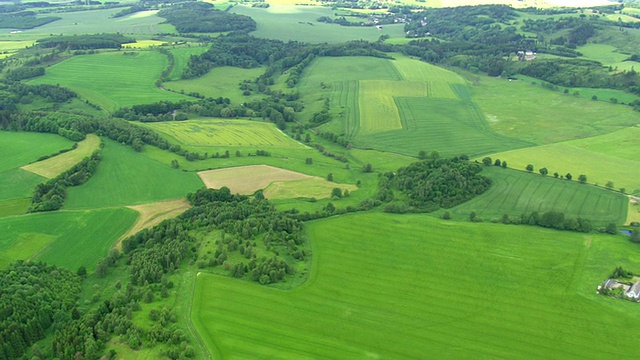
x: 68, y: 239
x: 516, y: 192
x: 433, y: 289
x: 56, y: 165
x: 100, y: 21
x: 221, y: 81
x: 181, y: 56
x: 223, y: 132
x: 125, y: 177
x: 298, y: 23
x: 112, y: 80
x: 521, y: 110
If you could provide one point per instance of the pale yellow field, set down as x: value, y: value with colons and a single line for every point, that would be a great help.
x: 247, y: 179
x: 633, y: 214
x: 56, y: 165
x: 153, y: 214
x: 378, y: 110
x: 143, y: 44
x: 314, y: 187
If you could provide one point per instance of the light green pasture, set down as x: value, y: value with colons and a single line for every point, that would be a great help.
x: 389, y: 286
x: 577, y: 158
x: 181, y: 56
x: 112, y: 80
x: 298, y: 23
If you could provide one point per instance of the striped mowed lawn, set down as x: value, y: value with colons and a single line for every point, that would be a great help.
x: 517, y: 192
x: 396, y: 286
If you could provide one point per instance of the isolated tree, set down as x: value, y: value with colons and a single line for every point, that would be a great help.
x: 582, y: 179
x: 622, y: 190
x: 330, y: 177
x: 238, y: 153
x: 611, y: 228
x: 346, y: 193
x: 446, y: 215
x: 504, y: 164
x: 422, y: 154
x: 635, y: 235
x: 330, y: 208
x: 556, y: 175
x: 544, y: 171
x: 307, y: 138
x: 529, y: 168
x: 308, y: 161
x: 336, y: 193
x: 82, y: 271
x: 569, y: 176
x: 367, y: 168
x: 435, y: 155
x: 609, y: 184
x: 594, y: 98
x: 487, y: 161
x: 497, y: 162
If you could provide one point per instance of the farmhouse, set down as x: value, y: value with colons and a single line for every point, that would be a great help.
x: 634, y: 291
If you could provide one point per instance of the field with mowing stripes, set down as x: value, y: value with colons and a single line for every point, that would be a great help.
x: 378, y: 110
x: 517, y: 192
x: 112, y: 80
x: 433, y: 289
x: 68, y: 239
x: 224, y: 132
x: 181, y: 56
x: 56, y: 165
x: 125, y: 177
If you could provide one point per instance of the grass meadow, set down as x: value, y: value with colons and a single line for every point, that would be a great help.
x: 125, y: 177
x: 298, y: 23
x: 224, y: 133
x: 432, y: 289
x: 100, y: 21
x: 221, y: 81
x: 599, y: 167
x: 112, y: 80
x: 68, y: 239
x: 518, y: 192
x: 54, y: 166
x: 531, y: 113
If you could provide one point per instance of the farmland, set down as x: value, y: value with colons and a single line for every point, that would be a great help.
x: 67, y: 239
x: 219, y: 82
x: 112, y: 80
x: 535, y: 281
x: 517, y: 192
x: 223, y: 133
x: 122, y: 165
x: 54, y: 166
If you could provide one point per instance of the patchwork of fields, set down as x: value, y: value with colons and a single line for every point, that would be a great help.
x: 433, y: 289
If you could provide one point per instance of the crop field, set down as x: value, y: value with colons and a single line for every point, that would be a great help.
x: 468, y: 290
x: 564, y: 158
x: 181, y: 56
x: 143, y: 44
x: 451, y: 127
x: 622, y: 143
x: 516, y: 192
x: 221, y: 81
x: 440, y: 80
x: 224, y: 132
x: 112, y: 80
x: 125, y: 178
x: 100, y: 21
x: 521, y: 110
x: 248, y: 179
x: 69, y: 239
x: 21, y: 148
x: 377, y: 107
x: 314, y: 187
x: 56, y: 165
x: 298, y: 23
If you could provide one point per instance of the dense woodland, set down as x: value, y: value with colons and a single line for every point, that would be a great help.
x: 198, y: 17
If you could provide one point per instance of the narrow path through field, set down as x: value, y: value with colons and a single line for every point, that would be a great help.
x: 153, y: 214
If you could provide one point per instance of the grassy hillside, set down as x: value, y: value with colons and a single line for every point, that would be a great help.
x: 181, y: 57
x: 518, y: 192
x: 432, y: 289
x: 112, y: 80
x: 67, y: 239
x: 124, y: 177
x: 219, y: 82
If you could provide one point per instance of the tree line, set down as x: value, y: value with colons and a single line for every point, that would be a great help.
x: 202, y: 17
